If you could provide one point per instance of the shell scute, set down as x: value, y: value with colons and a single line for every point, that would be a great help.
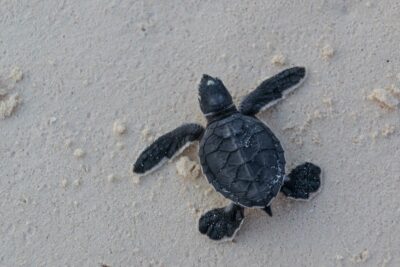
x: 243, y: 160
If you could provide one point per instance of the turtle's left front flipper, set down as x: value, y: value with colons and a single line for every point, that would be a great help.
x: 272, y: 90
x: 166, y: 146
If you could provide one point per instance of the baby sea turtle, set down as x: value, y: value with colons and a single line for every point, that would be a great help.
x: 240, y: 156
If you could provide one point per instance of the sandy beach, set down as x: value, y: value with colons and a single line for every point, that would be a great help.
x: 85, y: 86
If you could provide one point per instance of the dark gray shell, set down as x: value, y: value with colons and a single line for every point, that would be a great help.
x: 243, y: 160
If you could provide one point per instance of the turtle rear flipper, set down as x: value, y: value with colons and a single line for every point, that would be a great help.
x: 272, y: 90
x: 303, y: 182
x: 166, y: 146
x: 222, y: 223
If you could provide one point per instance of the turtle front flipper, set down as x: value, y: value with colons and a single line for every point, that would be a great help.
x: 166, y: 146
x: 303, y: 182
x: 222, y: 223
x: 272, y: 90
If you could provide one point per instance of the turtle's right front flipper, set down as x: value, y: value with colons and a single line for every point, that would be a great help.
x: 272, y: 90
x: 166, y: 146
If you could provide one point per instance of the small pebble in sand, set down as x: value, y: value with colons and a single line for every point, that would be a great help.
x: 64, y: 183
x: 278, y: 60
x: 85, y: 168
x: 339, y: 258
x: 79, y: 153
x: 327, y: 52
x: 112, y: 178
x: 52, y: 120
x: 136, y: 179
x: 316, y: 139
x: 51, y: 62
x: 317, y: 114
x: 8, y: 104
x: 394, y: 90
x: 77, y: 182
x: 85, y: 82
x: 388, y: 130
x: 68, y: 143
x: 120, y: 145
x: 119, y: 127
x: 147, y: 135
x: 327, y: 101
x: 187, y: 168
x: 383, y: 99
x: 16, y: 74
x: 374, y: 135
x: 361, y: 257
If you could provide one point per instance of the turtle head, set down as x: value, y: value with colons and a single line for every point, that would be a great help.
x: 213, y: 96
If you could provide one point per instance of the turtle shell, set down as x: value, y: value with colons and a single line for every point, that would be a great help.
x: 243, y: 160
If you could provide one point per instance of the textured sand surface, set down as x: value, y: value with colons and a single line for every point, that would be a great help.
x: 87, y: 64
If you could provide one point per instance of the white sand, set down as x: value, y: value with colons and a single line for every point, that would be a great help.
x: 8, y: 104
x: 119, y: 127
x: 79, y: 153
x: 16, y: 74
x: 90, y: 63
x: 187, y: 169
x: 278, y: 60
x: 327, y: 52
x: 384, y: 99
